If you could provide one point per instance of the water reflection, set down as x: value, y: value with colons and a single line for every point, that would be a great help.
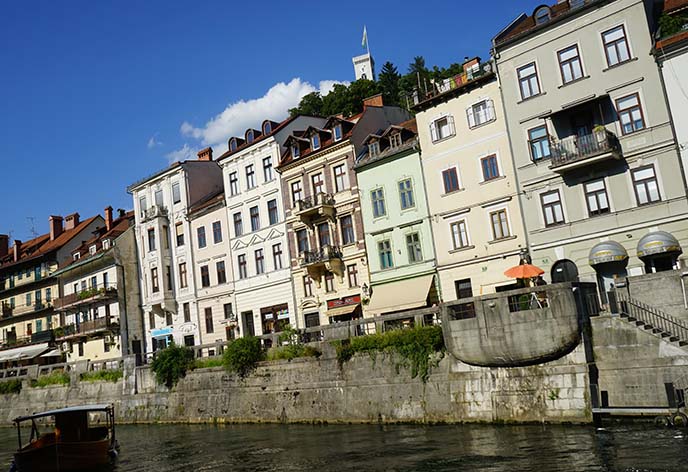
x: 393, y: 448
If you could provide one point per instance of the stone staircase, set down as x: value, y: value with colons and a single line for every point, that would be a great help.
x: 653, y: 320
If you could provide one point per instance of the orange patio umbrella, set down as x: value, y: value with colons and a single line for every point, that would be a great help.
x: 523, y: 271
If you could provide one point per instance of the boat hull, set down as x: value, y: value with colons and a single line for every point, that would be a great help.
x: 69, y: 456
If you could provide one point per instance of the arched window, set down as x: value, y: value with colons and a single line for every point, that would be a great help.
x: 232, y: 144
x: 542, y: 15
x: 249, y: 136
x: 267, y: 127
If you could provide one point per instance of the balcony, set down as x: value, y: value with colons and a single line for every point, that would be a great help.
x: 326, y: 259
x: 9, y: 311
x: 156, y: 211
x: 90, y: 295
x: 86, y: 327
x: 320, y: 205
x: 575, y: 152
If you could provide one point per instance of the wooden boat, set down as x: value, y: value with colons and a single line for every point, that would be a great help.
x: 78, y: 440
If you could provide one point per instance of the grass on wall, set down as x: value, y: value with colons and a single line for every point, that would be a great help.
x: 56, y: 378
x: 111, y: 375
x: 10, y: 386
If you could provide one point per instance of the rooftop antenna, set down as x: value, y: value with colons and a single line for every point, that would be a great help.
x: 32, y: 228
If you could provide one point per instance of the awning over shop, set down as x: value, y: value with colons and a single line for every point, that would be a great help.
x: 658, y: 242
x: 24, y: 352
x: 342, y: 310
x: 607, y: 251
x: 401, y: 295
x: 53, y: 353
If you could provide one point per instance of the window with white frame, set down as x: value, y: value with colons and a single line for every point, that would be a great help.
x: 318, y: 183
x: 315, y: 142
x: 377, y: 197
x: 552, y: 209
x: 267, y: 169
x: 480, y: 113
x: 250, y: 177
x: 337, y: 131
x: 459, y: 233
x: 415, y: 252
x: 233, y: 184
x: 528, y: 81
x: 296, y: 192
x: 395, y: 140
x: 295, y: 151
x: 176, y: 193
x: 384, y: 249
x: 442, y: 128
x: 340, y: 177
x: 406, y: 194
x: 373, y: 148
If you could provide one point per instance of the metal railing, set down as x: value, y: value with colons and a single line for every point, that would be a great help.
x: 453, y: 82
x: 576, y: 148
x: 8, y: 310
x: 661, y: 322
x: 155, y: 211
x: 323, y: 254
x: 87, y: 295
x: 314, y: 201
x: 84, y: 327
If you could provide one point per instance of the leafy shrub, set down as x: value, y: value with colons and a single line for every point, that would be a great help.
x: 10, y: 386
x: 208, y: 362
x: 56, y: 378
x: 242, y: 355
x: 171, y: 364
x: 417, y: 347
x: 111, y: 375
x: 292, y: 351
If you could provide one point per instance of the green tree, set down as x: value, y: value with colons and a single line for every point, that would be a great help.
x: 242, y: 355
x: 388, y: 80
x: 171, y: 364
x: 310, y: 104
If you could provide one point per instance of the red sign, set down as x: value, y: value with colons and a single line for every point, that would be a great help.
x: 352, y: 300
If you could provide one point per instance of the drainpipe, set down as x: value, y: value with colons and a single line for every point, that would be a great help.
x: 521, y: 194
x: 427, y: 208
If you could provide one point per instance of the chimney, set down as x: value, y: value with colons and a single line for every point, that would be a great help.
x: 374, y: 101
x: 121, y: 212
x: 205, y: 154
x: 4, y: 244
x: 71, y: 221
x: 470, y: 63
x: 108, y: 218
x: 55, y: 223
x: 17, y: 249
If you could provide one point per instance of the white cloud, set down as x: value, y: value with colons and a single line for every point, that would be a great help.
x: 237, y: 117
x: 183, y: 154
x: 153, y: 141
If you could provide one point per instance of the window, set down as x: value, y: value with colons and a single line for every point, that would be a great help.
x: 596, y: 197
x: 182, y: 275
x: 442, y: 128
x: 542, y: 15
x: 106, y: 244
x: 151, y: 239
x: 260, y: 262
x: 500, y: 225
x: 340, y: 178
x: 630, y: 114
x: 295, y: 151
x: 347, y: 226
x: 186, y: 308
x: 241, y: 258
x: 143, y: 206
x: 377, y: 197
x: 538, y: 141
x: 209, y: 320
x: 94, y: 281
x: 645, y: 185
x: 315, y: 142
x: 296, y: 192
x: 232, y: 144
x: 277, y: 255
x: 158, y: 198
x: 337, y: 130
x: 38, y: 297
x: 267, y: 169
x: 151, y: 319
x: 217, y: 232
x: 255, y: 218
x: 406, y: 194
x: 48, y: 294
x: 616, y: 46
x: 384, y: 249
x: 324, y: 234
x: 249, y: 136
x: 374, y: 148
x: 221, y: 272
x: 415, y: 253
x: 552, y: 208
x: 168, y: 318
x: 229, y: 313
x: 352, y: 275
x: 463, y: 288
x: 92, y: 249
x: 233, y: 184
x: 395, y: 140
x: 165, y: 237
x: 106, y: 284
x: 238, y: 225
x: 489, y: 167
x: 176, y: 194
x: 450, y: 177
x: 179, y: 233
x: 318, y: 184
x: 307, y: 286
x: 302, y: 241
x: 480, y: 113
x: 459, y: 234
x: 528, y: 81
x: 28, y: 299
x: 570, y: 64
x: 329, y: 282
x: 155, y: 283
x: 267, y: 127
x: 250, y: 177
x: 205, y: 276
x: 273, y: 215
x: 200, y: 233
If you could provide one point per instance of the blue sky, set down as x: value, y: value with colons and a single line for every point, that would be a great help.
x: 95, y: 95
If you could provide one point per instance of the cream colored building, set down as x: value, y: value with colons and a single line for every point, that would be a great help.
x: 471, y: 189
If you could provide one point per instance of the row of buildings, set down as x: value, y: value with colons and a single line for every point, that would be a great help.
x: 567, y: 148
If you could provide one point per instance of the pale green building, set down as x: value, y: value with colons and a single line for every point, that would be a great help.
x: 398, y: 236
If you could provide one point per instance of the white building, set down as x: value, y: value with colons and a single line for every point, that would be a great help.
x: 165, y: 241
x: 264, y: 295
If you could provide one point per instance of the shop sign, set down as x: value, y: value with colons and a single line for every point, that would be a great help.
x: 352, y: 300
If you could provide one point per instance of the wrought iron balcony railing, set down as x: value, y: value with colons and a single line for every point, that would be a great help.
x: 578, y: 149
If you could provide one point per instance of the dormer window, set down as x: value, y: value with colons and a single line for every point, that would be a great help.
x: 374, y: 148
x: 76, y: 256
x: 295, y: 151
x: 337, y: 132
x: 315, y: 142
x: 267, y: 127
x: 542, y: 15
x: 249, y: 136
x: 232, y: 144
x: 106, y: 244
x: 395, y: 140
x: 92, y: 250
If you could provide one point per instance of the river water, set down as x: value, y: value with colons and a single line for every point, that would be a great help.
x: 358, y: 448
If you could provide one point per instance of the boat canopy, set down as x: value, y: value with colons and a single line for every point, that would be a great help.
x: 73, y: 409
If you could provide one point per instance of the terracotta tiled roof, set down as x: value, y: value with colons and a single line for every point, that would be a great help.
x: 119, y: 226
x: 671, y: 6
x: 409, y: 135
x: 287, y: 156
x: 672, y: 40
